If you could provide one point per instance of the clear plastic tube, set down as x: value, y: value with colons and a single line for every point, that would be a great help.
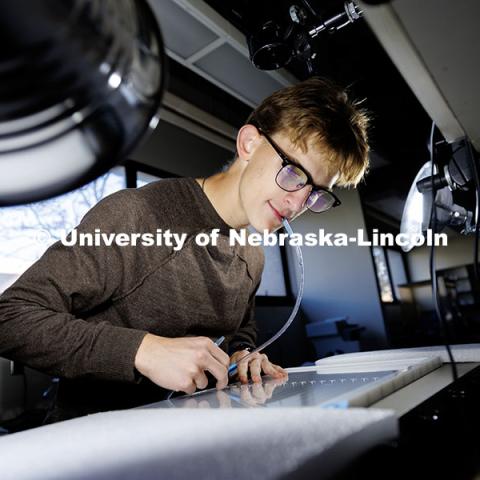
x: 298, y: 300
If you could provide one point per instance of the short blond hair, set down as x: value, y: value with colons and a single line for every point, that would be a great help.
x: 321, y: 109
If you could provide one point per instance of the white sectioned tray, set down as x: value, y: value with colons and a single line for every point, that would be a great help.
x: 356, y: 384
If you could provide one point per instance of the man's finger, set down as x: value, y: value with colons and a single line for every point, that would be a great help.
x: 269, y: 368
x: 189, y: 388
x: 219, y: 354
x: 201, y: 380
x: 242, y: 370
x: 278, y: 372
x: 221, y: 376
x: 281, y: 370
x: 219, y: 371
x: 256, y: 369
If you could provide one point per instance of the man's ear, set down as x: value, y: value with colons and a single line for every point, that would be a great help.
x: 247, y: 141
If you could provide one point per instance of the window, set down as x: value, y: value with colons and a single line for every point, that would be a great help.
x: 144, y: 178
x: 390, y: 270
x: 383, y: 276
x: 397, y: 269
x: 26, y: 231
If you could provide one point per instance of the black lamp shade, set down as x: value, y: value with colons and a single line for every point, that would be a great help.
x: 80, y: 83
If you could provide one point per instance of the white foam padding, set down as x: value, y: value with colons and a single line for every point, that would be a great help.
x: 145, y: 444
x: 461, y: 353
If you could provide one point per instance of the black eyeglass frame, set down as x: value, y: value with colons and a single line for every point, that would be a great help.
x: 287, y: 161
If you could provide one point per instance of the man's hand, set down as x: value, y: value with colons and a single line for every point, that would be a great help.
x: 180, y: 363
x: 256, y: 364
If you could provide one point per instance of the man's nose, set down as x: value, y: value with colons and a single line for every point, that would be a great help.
x: 296, y: 200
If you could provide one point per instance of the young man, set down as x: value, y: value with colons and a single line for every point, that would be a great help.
x: 115, y: 323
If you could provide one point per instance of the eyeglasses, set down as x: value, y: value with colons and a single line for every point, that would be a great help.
x: 291, y: 178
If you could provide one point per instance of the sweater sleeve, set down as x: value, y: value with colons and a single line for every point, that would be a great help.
x: 41, y: 322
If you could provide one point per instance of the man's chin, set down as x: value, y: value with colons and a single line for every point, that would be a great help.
x: 266, y: 227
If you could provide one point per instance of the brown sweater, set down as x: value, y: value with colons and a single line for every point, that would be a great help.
x: 81, y: 312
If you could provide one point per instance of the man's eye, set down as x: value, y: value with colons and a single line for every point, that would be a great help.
x: 301, y: 183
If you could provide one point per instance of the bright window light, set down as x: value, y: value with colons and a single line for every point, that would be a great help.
x: 26, y: 231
